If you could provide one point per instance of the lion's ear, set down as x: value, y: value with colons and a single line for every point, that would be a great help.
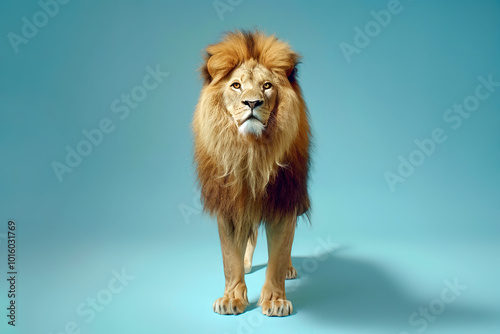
x: 291, y: 71
x: 204, y: 73
x: 293, y: 61
x: 220, y: 65
x: 217, y: 64
x: 292, y: 75
x: 278, y: 57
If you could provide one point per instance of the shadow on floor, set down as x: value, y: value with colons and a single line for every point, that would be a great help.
x: 350, y: 291
x: 257, y: 268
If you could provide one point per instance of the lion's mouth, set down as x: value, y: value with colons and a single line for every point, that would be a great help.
x: 249, y: 118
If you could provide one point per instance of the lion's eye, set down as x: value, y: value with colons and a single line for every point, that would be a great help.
x: 267, y: 85
x: 236, y: 85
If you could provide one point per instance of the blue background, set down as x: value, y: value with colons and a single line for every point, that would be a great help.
x: 372, y: 256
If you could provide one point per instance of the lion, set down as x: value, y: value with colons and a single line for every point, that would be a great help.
x: 251, y: 150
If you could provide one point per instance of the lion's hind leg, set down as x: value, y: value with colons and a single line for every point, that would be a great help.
x: 252, y: 241
x: 291, y: 272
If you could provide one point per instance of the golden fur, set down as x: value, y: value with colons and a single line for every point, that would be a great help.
x: 252, y: 169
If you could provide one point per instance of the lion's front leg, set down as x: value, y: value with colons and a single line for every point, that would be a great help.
x: 279, y: 243
x: 235, y: 298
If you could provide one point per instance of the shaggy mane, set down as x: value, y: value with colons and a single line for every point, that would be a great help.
x: 240, y: 46
x: 245, y: 181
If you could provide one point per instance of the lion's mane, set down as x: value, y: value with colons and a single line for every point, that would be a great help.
x: 246, y: 180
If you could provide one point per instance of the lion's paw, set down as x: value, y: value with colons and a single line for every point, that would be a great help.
x: 291, y: 273
x: 277, y: 308
x: 225, y: 305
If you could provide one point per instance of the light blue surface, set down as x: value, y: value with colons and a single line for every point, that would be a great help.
x: 373, y: 256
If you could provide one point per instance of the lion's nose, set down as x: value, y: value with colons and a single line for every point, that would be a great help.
x: 253, y: 104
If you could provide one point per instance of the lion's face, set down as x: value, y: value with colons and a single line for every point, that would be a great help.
x: 249, y: 95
